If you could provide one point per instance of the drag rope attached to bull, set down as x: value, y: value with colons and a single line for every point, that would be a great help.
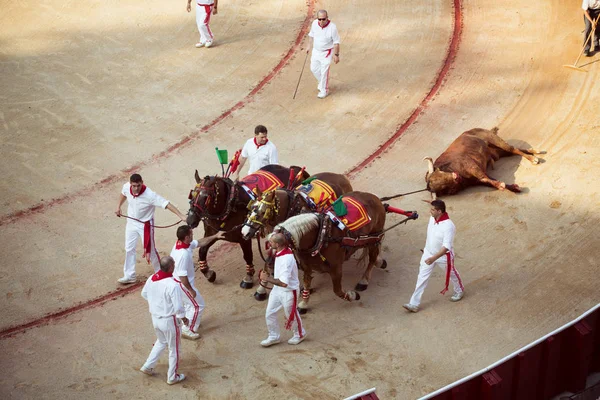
x: 398, y: 223
x: 154, y: 226
x: 402, y: 194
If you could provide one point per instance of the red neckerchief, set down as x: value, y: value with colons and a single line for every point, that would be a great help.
x: 258, y: 146
x: 325, y: 26
x: 181, y: 245
x: 161, y: 275
x: 284, y: 252
x: 142, y: 190
x: 443, y: 217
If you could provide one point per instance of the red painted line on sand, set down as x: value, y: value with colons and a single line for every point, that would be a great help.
x: 41, y: 207
x: 451, y: 55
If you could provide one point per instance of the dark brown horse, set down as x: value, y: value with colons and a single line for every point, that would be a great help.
x: 325, y: 248
x: 221, y: 205
x: 275, y: 206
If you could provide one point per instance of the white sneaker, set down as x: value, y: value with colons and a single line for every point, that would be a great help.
x: 457, y: 296
x: 208, y: 44
x: 297, y: 339
x: 269, y: 342
x: 322, y: 95
x: 178, y: 378
x: 411, y: 308
x: 126, y: 281
x: 147, y: 371
x: 200, y: 44
x: 188, y: 334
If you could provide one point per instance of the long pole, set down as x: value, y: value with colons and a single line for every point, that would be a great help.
x: 300, y: 77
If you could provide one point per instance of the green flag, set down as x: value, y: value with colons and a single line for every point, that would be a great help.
x: 339, y: 208
x: 222, y: 156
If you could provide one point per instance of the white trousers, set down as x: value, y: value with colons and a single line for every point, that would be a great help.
x: 133, y: 232
x: 425, y: 272
x: 203, y: 13
x: 194, y: 307
x: 278, y: 299
x: 320, y: 61
x: 168, y: 334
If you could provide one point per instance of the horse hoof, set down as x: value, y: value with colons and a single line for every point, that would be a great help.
x: 303, y: 311
x: 246, y: 285
x: 357, y: 297
x: 260, y: 296
x: 383, y: 265
x: 360, y: 287
x: 211, y: 277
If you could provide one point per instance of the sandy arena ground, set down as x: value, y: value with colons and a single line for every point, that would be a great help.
x: 91, y: 91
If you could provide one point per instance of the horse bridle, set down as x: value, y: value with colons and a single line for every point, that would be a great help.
x: 209, y: 193
x: 272, y: 210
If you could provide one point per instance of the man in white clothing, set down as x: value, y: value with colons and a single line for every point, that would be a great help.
x: 259, y: 150
x: 439, y: 250
x: 185, y: 273
x: 325, y: 42
x: 284, y: 293
x: 164, y: 301
x: 204, y: 9
x: 141, y: 202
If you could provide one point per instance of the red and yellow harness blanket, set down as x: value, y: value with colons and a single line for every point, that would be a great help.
x: 356, y: 215
x: 318, y: 194
x: 260, y: 180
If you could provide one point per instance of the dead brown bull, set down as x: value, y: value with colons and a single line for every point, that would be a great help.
x: 466, y: 160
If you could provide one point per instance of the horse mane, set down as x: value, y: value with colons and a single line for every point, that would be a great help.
x: 299, y: 225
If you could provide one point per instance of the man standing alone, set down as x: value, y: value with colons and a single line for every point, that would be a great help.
x: 284, y: 294
x: 259, y: 150
x: 185, y: 275
x: 141, y: 202
x: 164, y: 300
x: 204, y: 9
x: 325, y: 42
x: 439, y: 250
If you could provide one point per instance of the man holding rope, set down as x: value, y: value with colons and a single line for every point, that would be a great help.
x: 141, y: 202
x: 185, y: 273
x: 591, y: 11
x: 439, y: 250
x: 284, y: 293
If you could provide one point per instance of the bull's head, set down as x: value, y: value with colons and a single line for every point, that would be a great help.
x: 439, y: 182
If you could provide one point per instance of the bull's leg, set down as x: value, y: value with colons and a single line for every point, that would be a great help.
x: 374, y: 258
x: 336, y: 279
x: 307, y: 280
x: 248, y: 280
x: 496, y: 141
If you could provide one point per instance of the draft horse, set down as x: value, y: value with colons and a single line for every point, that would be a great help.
x: 320, y: 246
x: 221, y: 205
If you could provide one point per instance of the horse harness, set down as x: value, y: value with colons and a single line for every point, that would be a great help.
x: 213, y: 192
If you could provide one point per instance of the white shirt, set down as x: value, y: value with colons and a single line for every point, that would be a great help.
x: 591, y: 4
x: 259, y: 156
x: 206, y: 2
x: 184, y: 262
x: 164, y: 298
x: 142, y: 206
x: 440, y: 234
x: 324, y: 38
x: 286, y: 270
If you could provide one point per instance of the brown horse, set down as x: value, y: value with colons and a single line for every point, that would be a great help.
x: 324, y: 248
x: 275, y: 206
x: 221, y: 205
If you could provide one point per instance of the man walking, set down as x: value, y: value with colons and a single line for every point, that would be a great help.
x: 204, y: 9
x: 325, y: 42
x: 185, y: 275
x: 141, y: 202
x: 284, y: 293
x: 591, y: 11
x: 259, y: 150
x: 164, y: 300
x: 439, y: 250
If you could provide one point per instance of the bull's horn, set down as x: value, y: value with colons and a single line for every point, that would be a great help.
x: 430, y: 164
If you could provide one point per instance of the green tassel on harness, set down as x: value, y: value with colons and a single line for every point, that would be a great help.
x: 308, y: 180
x: 339, y: 208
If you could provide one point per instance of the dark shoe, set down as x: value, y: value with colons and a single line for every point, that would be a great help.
x: 588, y: 53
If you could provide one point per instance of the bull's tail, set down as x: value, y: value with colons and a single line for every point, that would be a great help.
x: 495, y: 130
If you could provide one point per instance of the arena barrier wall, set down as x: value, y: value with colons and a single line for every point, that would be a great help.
x: 558, y: 362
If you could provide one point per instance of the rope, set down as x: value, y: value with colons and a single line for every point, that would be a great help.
x: 403, y: 194
x: 399, y: 223
x: 154, y: 226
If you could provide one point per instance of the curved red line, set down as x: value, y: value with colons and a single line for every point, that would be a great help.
x: 452, y: 51
x: 37, y: 208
